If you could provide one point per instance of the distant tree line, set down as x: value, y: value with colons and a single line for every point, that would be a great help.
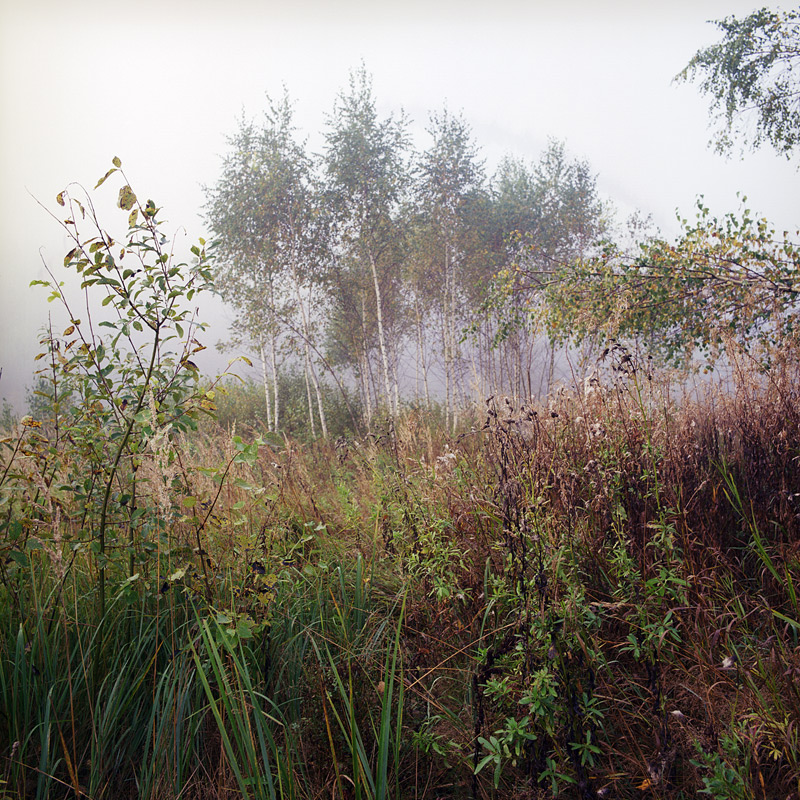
x: 384, y: 270
x: 379, y: 266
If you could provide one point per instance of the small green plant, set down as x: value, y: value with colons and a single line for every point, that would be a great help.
x: 427, y: 741
x: 542, y: 699
x: 505, y: 746
x: 437, y: 560
x: 586, y: 750
x: 720, y: 778
x: 553, y: 775
x: 133, y: 387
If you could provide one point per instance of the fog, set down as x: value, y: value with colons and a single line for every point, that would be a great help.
x: 161, y: 86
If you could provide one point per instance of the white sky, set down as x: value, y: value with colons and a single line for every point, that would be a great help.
x: 161, y: 85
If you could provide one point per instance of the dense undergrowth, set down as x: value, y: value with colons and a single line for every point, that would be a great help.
x: 593, y: 598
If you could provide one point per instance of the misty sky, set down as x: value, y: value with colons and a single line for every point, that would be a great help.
x: 161, y: 85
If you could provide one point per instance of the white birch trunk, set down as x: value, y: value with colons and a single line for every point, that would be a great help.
x: 445, y: 351
x: 381, y: 336
x: 395, y: 384
x: 265, y: 380
x: 276, y: 400
x: 322, y: 420
x: 450, y: 300
x: 308, y: 396
x: 365, y: 387
x: 310, y: 371
x: 421, y: 362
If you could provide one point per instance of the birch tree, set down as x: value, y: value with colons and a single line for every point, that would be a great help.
x: 246, y: 276
x: 752, y: 77
x: 272, y: 246
x: 366, y: 175
x: 449, y: 175
x: 550, y: 217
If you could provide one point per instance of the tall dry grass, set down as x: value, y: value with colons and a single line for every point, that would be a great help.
x: 592, y: 597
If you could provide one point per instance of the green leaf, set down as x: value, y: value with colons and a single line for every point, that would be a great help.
x: 116, y: 162
x: 178, y: 574
x: 483, y: 762
x: 19, y: 557
x: 103, y: 179
x: 127, y: 198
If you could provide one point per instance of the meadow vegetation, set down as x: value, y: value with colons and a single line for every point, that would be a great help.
x: 591, y: 598
x: 593, y: 595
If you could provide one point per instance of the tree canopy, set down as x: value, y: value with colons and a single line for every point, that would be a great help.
x: 730, y: 280
x: 723, y: 280
x: 753, y: 79
x: 350, y: 260
x: 381, y: 264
